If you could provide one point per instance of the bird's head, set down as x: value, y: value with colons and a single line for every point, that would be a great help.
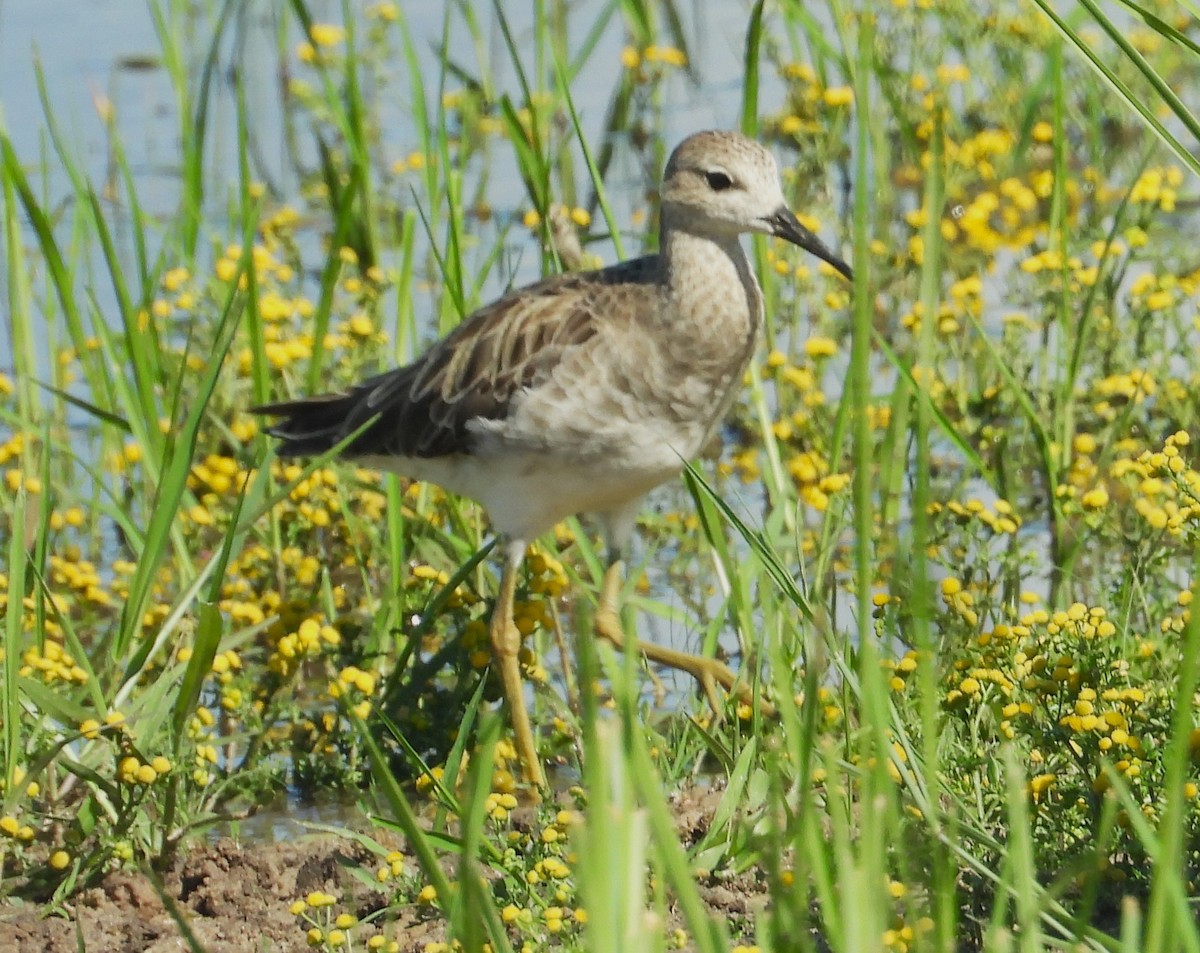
x: 722, y: 184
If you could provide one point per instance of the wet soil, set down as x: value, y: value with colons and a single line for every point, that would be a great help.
x: 234, y: 897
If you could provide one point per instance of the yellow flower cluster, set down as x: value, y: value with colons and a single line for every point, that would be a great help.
x: 1054, y: 679
x: 1006, y: 213
x: 16, y: 480
x: 900, y: 936
x: 1157, y: 187
x: 353, y: 680
x: 219, y: 475
x: 72, y: 516
x: 632, y: 58
x: 831, y: 711
x: 800, y: 435
x: 546, y: 582
x: 11, y: 827
x: 548, y: 869
x: 322, y: 38
x: 426, y: 781
x: 422, y: 575
x: 965, y: 299
x: 13, y: 447
x: 82, y: 577
x: 51, y: 663
x: 1002, y: 518
x: 330, y: 930
x: 392, y: 867
x: 416, y: 161
x: 809, y: 101
x: 959, y: 600
x: 91, y: 729
x: 133, y: 771
x: 498, y: 806
x: 1167, y: 489
x: 200, y: 729
x: 309, y: 640
x: 901, y: 669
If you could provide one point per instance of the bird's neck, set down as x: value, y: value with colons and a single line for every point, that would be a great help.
x: 710, y: 285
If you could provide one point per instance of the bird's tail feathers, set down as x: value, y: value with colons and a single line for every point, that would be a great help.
x: 312, y: 425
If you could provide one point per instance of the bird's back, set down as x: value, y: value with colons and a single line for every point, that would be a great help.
x: 424, y: 409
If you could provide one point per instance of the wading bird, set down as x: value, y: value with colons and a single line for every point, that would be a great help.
x: 581, y: 393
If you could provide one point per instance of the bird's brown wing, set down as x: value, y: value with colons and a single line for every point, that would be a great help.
x: 423, y: 408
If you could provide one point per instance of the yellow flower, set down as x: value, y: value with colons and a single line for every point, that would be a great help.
x: 791, y: 125
x: 428, y: 894
x: 1040, y: 784
x: 668, y: 55
x: 364, y: 682
x: 327, y: 34
x: 956, y: 73
x: 838, y: 96
x: 820, y: 347
x: 1158, y: 300
x: 384, y: 11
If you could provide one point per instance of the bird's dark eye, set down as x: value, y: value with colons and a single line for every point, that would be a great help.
x: 718, y: 181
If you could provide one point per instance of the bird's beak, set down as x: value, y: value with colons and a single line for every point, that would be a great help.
x: 785, y: 225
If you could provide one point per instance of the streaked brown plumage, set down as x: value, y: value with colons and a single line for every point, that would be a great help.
x: 423, y: 408
x: 582, y: 392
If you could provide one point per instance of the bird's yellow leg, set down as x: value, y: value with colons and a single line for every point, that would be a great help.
x: 709, y: 672
x: 506, y: 644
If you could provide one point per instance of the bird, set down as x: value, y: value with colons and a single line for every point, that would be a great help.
x: 582, y: 392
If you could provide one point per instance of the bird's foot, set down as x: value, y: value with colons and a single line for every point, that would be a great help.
x: 708, y: 672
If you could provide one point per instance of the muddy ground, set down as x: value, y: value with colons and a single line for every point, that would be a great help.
x: 234, y: 898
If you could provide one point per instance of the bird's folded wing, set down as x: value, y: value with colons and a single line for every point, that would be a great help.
x: 423, y: 408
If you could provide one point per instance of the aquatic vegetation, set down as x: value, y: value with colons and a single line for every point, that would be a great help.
x: 951, y: 519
